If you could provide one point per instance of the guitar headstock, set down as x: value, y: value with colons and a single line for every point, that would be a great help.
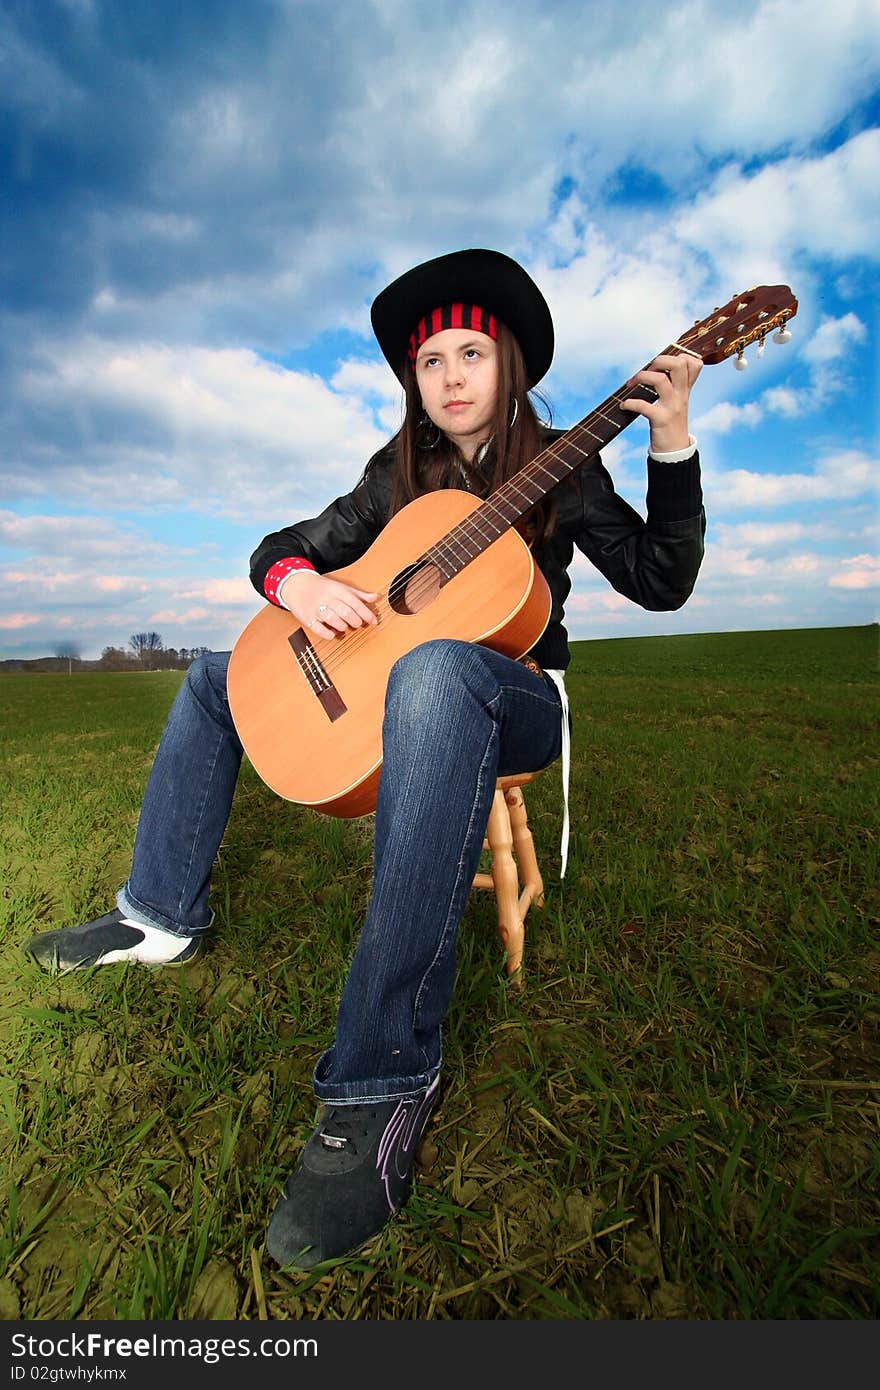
x: 747, y: 318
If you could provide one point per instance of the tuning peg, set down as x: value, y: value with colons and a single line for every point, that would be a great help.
x: 782, y: 336
x: 741, y: 362
x: 760, y: 352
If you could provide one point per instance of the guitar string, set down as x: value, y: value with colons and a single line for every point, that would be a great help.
x: 463, y: 532
x: 423, y: 581
x: 419, y: 586
x: 454, y: 546
x: 489, y: 506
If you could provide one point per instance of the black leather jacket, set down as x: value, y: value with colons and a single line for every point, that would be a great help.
x: 654, y: 562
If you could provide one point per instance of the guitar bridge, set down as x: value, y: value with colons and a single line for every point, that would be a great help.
x: 314, y: 672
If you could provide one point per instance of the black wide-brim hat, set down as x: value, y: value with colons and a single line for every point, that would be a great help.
x: 488, y: 278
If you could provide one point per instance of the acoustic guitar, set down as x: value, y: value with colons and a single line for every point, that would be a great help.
x: 309, y: 710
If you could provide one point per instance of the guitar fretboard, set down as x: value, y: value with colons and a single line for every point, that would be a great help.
x: 509, y: 503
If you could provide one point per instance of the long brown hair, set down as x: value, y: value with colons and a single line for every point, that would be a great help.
x: 514, y: 440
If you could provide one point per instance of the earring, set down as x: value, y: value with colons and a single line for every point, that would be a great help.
x: 425, y: 425
x: 513, y: 416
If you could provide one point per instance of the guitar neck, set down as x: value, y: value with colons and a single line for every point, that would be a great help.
x: 526, y: 489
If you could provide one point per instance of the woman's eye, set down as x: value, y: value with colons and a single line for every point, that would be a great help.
x: 472, y: 352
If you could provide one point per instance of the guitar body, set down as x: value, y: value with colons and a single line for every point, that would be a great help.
x: 317, y: 740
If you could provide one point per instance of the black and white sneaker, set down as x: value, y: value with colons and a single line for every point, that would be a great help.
x: 109, y: 940
x: 354, y: 1173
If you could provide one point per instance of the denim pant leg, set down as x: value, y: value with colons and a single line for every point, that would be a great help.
x: 186, y: 805
x: 457, y: 716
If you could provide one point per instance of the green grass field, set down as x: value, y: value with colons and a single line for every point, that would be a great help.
x: 677, y: 1116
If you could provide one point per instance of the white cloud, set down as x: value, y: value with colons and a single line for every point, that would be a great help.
x: 724, y: 416
x: 47, y: 583
x: 797, y: 566
x: 765, y: 75
x: 195, y: 614
x: 372, y: 384
x: 757, y: 535
x: 829, y: 203
x: 732, y: 562
x: 103, y: 609
x: 859, y: 572
x: 784, y: 400
x: 98, y: 538
x: 12, y: 622
x: 614, y: 306
x: 840, y: 474
x: 833, y: 338
x: 239, y: 590
x: 223, y: 430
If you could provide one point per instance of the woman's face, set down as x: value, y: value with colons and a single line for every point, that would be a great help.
x: 457, y: 375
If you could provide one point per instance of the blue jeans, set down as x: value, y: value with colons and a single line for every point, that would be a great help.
x: 457, y: 716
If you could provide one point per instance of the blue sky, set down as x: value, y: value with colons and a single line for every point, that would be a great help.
x: 200, y: 200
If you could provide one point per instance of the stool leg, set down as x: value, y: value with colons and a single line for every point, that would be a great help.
x: 506, y: 881
x: 524, y: 846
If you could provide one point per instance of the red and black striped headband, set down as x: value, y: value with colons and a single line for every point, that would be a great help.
x: 451, y: 316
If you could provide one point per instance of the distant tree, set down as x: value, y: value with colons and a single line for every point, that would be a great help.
x: 146, y: 646
x: 116, y: 659
x: 69, y: 652
x: 189, y: 654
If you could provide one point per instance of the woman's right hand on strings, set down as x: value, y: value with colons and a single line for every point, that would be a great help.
x: 326, y: 606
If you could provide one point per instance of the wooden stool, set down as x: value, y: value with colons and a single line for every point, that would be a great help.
x: 509, y: 841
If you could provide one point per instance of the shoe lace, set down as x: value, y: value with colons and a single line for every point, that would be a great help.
x: 343, y: 1127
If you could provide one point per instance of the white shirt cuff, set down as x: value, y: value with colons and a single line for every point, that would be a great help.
x: 279, y: 592
x: 675, y: 455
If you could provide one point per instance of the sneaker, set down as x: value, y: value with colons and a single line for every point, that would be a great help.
x: 108, y: 940
x: 355, y: 1172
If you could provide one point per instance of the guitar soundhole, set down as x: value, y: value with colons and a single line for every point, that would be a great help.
x: 414, y: 588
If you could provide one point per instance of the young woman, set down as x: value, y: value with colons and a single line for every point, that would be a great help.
x: 468, y: 335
